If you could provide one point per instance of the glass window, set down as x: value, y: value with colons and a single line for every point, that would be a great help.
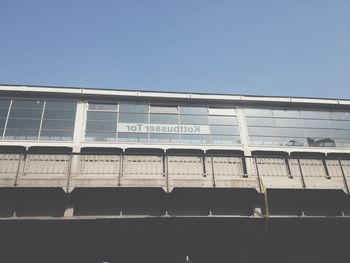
x: 24, y: 123
x: 100, y: 136
x: 27, y: 104
x: 252, y: 121
x: 3, y: 113
x: 133, y: 118
x: 164, y: 109
x: 344, y: 134
x: 320, y: 142
x: 164, y: 118
x: 60, y: 105
x: 133, y: 108
x: 51, y: 135
x: 297, y: 123
x: 195, y: 138
x: 102, y: 106
x: 25, y: 113
x: 194, y: 119
x: 17, y: 134
x: 339, y: 124
x: 4, y: 104
x: 193, y: 110
x: 132, y: 137
x: 325, y: 133
x: 219, y: 111
x: 314, y: 114
x: 222, y: 120
x: 57, y: 125
x: 339, y: 115
x: 262, y: 131
x: 258, y: 112
x: 160, y: 137
x: 59, y: 115
x: 225, y: 139
x: 289, y: 132
x: 286, y: 113
x: 2, y: 124
x: 223, y: 130
x: 101, y: 116
x: 101, y: 126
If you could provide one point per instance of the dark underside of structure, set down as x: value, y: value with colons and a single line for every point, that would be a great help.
x: 148, y: 225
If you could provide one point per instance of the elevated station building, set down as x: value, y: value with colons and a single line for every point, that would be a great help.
x: 91, y: 175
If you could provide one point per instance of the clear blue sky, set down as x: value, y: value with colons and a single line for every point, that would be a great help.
x: 292, y: 48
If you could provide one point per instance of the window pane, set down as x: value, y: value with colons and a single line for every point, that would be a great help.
x: 289, y: 122
x: 339, y: 115
x: 289, y: 132
x: 252, y: 121
x: 325, y: 133
x: 17, y: 134
x: 339, y: 124
x: 344, y: 134
x: 225, y: 139
x: 23, y: 123
x: 27, y: 104
x: 4, y: 104
x: 60, y: 105
x: 320, y: 142
x: 164, y: 118
x: 57, y: 125
x: 314, y: 114
x: 164, y: 109
x: 132, y: 137
x: 133, y: 108
x: 171, y: 138
x: 222, y: 120
x: 258, y: 112
x: 342, y: 142
x: 102, y: 116
x: 218, y: 111
x: 316, y: 123
x: 286, y: 113
x: 198, y: 139
x: 25, y: 113
x: 223, y: 130
x: 101, y: 126
x: 280, y: 141
x: 193, y: 110
x: 194, y: 119
x: 59, y: 115
x: 133, y: 118
x: 2, y: 124
x: 3, y: 113
x: 56, y: 135
x: 100, y: 136
x: 103, y: 106
x: 262, y: 131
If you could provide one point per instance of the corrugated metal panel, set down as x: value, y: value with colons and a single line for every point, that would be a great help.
x: 9, y: 164
x: 272, y: 167
x: 142, y: 165
x: 312, y: 168
x: 47, y: 164
x: 224, y: 166
x: 99, y: 165
x: 185, y: 166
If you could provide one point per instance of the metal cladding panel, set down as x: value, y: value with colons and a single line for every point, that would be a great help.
x: 294, y: 167
x: 185, y: 166
x: 142, y: 165
x: 9, y: 164
x: 313, y: 168
x: 272, y: 167
x: 47, y: 165
x: 334, y: 169
x: 99, y: 165
x: 224, y: 166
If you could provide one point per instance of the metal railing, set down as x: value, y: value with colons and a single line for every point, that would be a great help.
x: 302, y: 172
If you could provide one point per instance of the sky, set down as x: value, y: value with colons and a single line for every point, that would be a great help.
x: 270, y: 47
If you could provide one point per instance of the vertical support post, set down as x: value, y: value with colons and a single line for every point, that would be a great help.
x: 212, y: 169
x: 203, y: 165
x: 286, y: 161
x: 167, y: 172
x: 258, y: 174
x: 19, y: 168
x: 121, y: 168
x: 301, y: 174
x: 344, y: 178
x: 324, y: 163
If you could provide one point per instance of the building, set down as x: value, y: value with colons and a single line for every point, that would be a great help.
x: 90, y: 175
